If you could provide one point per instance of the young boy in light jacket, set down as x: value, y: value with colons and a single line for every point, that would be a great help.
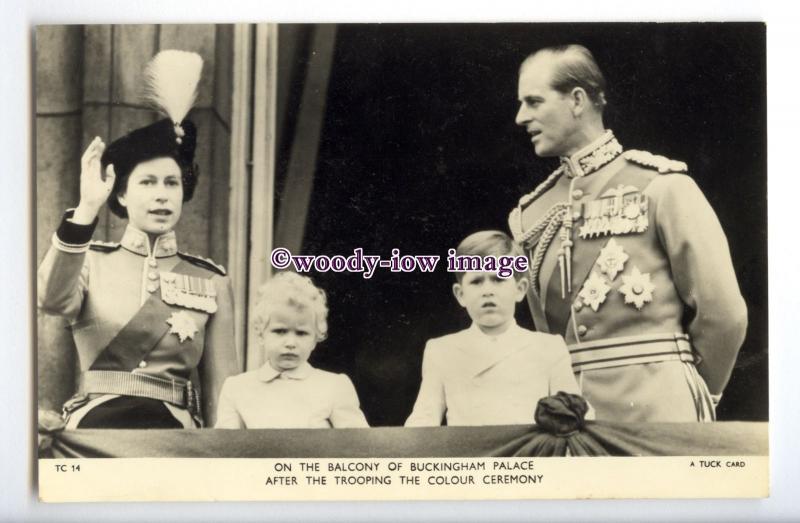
x: 494, y: 372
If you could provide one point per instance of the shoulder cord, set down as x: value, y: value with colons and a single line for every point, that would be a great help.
x: 550, y: 230
x: 547, y: 226
x: 537, y: 228
x: 530, y: 237
x: 542, y: 187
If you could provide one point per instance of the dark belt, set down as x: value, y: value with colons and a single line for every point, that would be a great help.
x: 631, y: 350
x: 179, y: 393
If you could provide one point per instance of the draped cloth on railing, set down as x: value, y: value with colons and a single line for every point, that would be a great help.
x: 560, y: 431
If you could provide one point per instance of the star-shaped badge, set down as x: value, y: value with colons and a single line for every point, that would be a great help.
x: 182, y: 324
x: 637, y: 288
x: 612, y: 259
x: 594, y: 291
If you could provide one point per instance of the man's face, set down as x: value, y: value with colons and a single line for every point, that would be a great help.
x: 490, y: 300
x: 544, y: 112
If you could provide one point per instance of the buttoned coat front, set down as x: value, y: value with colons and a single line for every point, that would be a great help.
x: 98, y: 288
x: 673, y: 278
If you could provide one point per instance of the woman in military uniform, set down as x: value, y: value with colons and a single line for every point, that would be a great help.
x: 153, y: 326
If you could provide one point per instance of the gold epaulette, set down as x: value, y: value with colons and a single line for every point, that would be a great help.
x: 101, y: 246
x: 655, y: 161
x: 206, y: 263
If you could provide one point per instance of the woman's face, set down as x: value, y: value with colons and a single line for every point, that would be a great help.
x: 154, y: 196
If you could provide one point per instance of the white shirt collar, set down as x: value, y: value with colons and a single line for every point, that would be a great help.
x: 267, y: 373
x: 509, y: 334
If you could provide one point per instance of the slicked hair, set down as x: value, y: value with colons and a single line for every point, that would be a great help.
x: 575, y: 67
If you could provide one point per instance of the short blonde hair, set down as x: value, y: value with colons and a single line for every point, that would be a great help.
x: 289, y: 288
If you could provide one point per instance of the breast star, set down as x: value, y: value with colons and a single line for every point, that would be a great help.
x: 637, y: 288
x: 182, y: 324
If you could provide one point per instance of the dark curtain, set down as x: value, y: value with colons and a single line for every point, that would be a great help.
x: 419, y: 149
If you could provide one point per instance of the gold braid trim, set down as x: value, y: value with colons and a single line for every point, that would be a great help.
x: 542, y: 187
x: 551, y: 228
x: 529, y: 238
x: 537, y: 238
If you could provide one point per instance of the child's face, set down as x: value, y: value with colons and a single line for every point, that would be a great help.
x: 490, y: 300
x: 290, y: 337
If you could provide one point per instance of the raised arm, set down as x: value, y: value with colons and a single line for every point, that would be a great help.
x: 62, y: 276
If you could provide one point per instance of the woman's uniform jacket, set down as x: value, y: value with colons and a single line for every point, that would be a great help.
x: 168, y: 315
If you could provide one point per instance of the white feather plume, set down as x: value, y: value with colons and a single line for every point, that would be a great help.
x: 171, y: 79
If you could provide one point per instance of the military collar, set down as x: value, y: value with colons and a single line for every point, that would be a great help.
x: 266, y: 373
x: 592, y: 157
x: 138, y: 242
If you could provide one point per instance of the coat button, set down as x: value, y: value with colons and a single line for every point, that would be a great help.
x: 577, y: 194
x: 578, y: 305
x: 152, y: 287
x: 582, y: 330
x: 142, y: 364
x: 576, y: 215
x: 152, y: 275
x: 152, y: 262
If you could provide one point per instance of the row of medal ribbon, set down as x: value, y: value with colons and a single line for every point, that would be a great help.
x: 189, y: 291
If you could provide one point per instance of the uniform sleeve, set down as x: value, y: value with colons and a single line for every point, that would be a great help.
x: 63, y: 275
x: 227, y: 415
x: 346, y: 413
x: 430, y: 405
x: 562, y: 378
x: 703, y: 274
x: 219, y: 353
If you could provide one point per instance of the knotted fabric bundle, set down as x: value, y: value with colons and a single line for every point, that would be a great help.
x: 559, y: 430
x: 562, y: 414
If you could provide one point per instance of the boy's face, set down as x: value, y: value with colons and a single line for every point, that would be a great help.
x: 290, y: 337
x: 490, y: 300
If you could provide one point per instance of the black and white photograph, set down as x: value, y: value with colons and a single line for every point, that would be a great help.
x: 437, y: 261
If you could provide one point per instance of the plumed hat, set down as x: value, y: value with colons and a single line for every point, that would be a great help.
x: 171, y: 79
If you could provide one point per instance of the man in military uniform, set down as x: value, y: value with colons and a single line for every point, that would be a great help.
x: 628, y: 260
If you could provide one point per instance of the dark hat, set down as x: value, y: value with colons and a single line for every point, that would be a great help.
x: 171, y: 79
x: 157, y: 140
